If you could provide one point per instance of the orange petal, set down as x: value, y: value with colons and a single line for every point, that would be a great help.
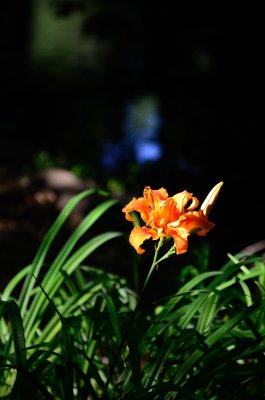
x: 196, y: 222
x: 161, y: 215
x: 153, y: 197
x: 181, y: 199
x: 139, y: 205
x: 139, y: 235
x: 181, y: 240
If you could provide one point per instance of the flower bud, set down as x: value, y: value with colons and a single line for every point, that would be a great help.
x: 211, y: 198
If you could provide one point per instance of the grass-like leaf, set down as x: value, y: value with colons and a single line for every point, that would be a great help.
x: 76, y: 333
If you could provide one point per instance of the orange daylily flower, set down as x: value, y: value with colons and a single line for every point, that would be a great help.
x: 166, y: 216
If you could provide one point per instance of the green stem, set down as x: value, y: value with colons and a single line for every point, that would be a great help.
x: 155, y: 262
x: 172, y: 250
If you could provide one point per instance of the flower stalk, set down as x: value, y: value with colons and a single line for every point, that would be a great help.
x: 154, y: 264
x: 164, y: 217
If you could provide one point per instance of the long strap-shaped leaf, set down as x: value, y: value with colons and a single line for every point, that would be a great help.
x: 44, y: 248
x: 53, y: 278
x: 212, y: 339
x: 87, y: 222
x: 169, y: 314
x: 73, y: 303
x: 11, y: 308
x: 12, y: 284
x: 71, y: 264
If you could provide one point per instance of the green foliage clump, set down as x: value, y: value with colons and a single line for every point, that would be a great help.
x: 77, y: 332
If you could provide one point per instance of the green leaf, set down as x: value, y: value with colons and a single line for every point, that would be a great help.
x: 44, y: 248
x: 11, y: 309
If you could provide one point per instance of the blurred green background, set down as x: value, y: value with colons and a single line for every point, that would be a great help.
x: 130, y: 93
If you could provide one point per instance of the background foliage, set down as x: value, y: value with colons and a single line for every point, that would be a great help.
x: 69, y: 69
x: 72, y: 331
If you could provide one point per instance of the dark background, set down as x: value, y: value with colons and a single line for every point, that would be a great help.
x: 204, y: 63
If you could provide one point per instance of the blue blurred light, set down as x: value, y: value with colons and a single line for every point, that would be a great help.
x: 146, y: 151
x: 139, y: 142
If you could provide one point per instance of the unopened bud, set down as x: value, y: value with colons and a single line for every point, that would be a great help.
x: 211, y: 198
